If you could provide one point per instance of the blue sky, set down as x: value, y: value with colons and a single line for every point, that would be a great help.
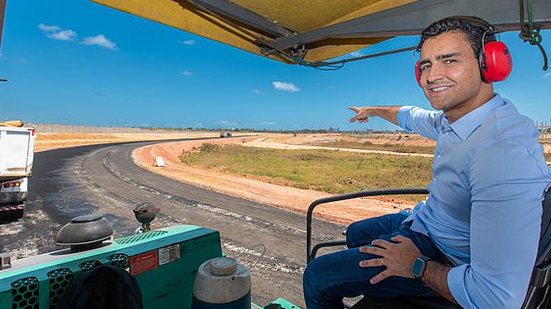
x: 77, y: 62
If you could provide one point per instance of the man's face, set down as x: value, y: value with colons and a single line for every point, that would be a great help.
x: 450, y: 76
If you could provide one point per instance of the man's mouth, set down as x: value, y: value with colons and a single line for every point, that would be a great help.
x: 439, y: 89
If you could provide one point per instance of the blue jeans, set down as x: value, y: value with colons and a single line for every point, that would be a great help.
x: 329, y: 278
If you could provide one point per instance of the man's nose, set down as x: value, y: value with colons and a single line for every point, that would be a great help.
x: 435, y: 73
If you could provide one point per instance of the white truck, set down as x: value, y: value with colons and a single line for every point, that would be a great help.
x: 16, y: 162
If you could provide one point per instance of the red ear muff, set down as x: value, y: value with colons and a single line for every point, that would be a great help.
x: 417, y: 73
x: 495, y: 62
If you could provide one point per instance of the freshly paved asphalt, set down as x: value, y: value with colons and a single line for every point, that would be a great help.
x: 103, y: 179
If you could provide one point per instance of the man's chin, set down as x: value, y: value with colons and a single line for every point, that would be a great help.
x: 437, y: 104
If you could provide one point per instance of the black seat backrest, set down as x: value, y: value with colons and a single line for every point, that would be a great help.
x: 544, y: 251
x: 538, y: 290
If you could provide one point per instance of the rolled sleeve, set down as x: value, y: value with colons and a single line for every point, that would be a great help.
x: 404, y: 117
x: 507, y: 190
x: 456, y: 284
x: 417, y: 120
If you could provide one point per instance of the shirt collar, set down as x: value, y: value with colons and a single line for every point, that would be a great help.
x: 466, y: 125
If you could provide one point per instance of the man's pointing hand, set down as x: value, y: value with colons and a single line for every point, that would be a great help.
x: 362, y: 114
x: 388, y: 113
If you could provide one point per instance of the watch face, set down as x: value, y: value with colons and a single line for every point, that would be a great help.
x: 417, y: 267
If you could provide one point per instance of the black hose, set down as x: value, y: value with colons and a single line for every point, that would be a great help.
x: 529, y: 34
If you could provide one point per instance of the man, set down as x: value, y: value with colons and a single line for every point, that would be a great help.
x: 474, y: 240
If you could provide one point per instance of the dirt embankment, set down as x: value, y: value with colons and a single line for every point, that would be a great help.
x: 288, y: 198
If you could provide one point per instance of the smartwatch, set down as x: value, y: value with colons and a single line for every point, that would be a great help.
x: 418, y: 267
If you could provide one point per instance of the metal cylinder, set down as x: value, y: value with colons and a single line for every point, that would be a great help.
x: 222, y: 283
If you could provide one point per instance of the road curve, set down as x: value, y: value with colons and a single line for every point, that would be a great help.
x: 102, y: 178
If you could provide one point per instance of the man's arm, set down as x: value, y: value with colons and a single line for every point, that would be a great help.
x: 409, y: 118
x: 389, y: 113
x: 507, y: 183
x: 436, y: 277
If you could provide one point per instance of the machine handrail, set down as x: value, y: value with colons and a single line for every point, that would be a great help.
x: 347, y: 196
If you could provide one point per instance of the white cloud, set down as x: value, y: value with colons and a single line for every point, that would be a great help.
x: 283, y: 86
x: 268, y: 123
x: 56, y: 33
x: 187, y: 73
x: 356, y: 53
x: 188, y: 42
x: 255, y: 91
x: 64, y: 35
x: 101, y: 41
x: 21, y: 60
x: 547, y: 75
x: 47, y: 28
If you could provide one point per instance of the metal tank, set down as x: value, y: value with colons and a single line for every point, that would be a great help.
x: 222, y: 283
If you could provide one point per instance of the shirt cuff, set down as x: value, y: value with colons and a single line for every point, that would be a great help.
x: 456, y: 284
x: 403, y: 116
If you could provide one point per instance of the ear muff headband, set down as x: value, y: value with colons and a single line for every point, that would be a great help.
x: 494, y: 59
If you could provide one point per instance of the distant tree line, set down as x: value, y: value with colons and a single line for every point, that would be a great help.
x: 66, y: 128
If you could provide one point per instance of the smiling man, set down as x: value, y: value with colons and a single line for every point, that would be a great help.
x: 474, y: 240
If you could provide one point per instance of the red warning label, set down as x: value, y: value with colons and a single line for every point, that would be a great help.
x: 143, y: 262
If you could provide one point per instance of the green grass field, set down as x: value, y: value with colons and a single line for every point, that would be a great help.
x: 371, y: 146
x: 324, y: 170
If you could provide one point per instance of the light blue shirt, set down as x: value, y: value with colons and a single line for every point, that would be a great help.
x: 484, y: 207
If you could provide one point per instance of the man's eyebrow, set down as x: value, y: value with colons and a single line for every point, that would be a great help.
x: 446, y: 56
x: 424, y: 61
x: 440, y: 57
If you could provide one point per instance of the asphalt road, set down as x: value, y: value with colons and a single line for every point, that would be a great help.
x: 103, y: 179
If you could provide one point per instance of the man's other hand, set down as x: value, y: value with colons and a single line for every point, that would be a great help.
x: 397, y: 257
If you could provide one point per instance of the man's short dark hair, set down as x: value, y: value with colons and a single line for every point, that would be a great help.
x: 473, y: 28
x: 104, y: 286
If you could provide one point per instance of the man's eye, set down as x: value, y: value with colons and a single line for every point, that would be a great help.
x: 448, y: 61
x: 425, y: 67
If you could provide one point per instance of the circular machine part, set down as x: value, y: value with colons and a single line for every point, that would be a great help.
x: 223, y: 266
x: 222, y: 283
x: 85, y: 232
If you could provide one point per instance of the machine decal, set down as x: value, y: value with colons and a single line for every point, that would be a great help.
x: 169, y: 254
x: 143, y: 262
